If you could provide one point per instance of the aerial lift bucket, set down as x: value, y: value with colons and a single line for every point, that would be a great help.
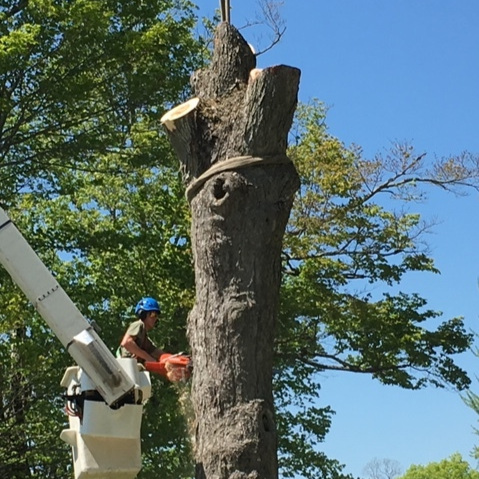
x: 105, y: 440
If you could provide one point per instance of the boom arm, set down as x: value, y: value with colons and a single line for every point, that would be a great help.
x: 61, y: 314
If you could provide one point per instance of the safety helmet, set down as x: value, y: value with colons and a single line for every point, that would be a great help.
x: 147, y: 304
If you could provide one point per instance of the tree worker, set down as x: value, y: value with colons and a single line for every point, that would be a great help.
x: 135, y: 342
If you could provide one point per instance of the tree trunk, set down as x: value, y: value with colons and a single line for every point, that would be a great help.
x: 231, y: 141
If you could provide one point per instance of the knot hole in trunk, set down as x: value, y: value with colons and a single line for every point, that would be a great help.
x: 219, y: 191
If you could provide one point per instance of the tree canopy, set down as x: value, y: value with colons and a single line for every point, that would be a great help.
x: 346, y: 240
x: 454, y: 467
x: 92, y: 183
x: 350, y: 240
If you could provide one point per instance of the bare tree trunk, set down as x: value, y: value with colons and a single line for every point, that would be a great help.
x: 231, y: 141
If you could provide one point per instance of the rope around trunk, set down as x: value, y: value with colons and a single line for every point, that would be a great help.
x: 232, y: 164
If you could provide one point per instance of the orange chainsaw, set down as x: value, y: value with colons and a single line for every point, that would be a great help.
x: 174, y: 367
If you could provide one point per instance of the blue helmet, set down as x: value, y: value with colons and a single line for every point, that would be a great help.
x: 147, y: 304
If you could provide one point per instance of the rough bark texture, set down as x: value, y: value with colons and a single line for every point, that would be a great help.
x: 238, y: 221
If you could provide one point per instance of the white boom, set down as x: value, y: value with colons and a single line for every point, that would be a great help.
x: 61, y: 314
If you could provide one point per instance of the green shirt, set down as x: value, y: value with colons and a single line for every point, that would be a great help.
x: 137, y: 330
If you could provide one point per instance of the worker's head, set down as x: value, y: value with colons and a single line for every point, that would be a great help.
x: 147, y: 308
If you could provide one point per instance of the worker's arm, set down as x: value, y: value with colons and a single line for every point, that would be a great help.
x: 152, y: 349
x: 128, y: 342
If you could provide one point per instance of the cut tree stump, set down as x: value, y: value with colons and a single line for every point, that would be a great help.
x: 231, y: 141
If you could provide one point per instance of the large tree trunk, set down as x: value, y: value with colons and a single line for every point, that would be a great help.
x: 231, y: 141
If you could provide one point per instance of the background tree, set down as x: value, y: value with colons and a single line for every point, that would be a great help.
x: 453, y: 467
x: 382, y: 469
x: 343, y: 240
x: 82, y: 84
x: 471, y: 399
x: 350, y: 240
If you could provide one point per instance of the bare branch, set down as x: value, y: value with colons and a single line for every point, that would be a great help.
x: 382, y: 469
x: 270, y: 18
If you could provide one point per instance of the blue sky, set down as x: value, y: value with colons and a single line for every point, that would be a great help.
x: 396, y: 70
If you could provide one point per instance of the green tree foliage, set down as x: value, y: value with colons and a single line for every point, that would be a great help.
x: 471, y: 399
x: 350, y: 241
x: 83, y: 78
x: 452, y: 468
x: 89, y: 181
x: 118, y: 240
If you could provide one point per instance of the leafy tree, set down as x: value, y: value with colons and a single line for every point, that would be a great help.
x: 452, y: 468
x: 344, y: 240
x: 117, y: 252
x: 471, y: 399
x: 346, y: 243
x: 80, y: 79
x: 82, y: 84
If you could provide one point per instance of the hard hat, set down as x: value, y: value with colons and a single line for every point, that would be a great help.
x: 147, y: 304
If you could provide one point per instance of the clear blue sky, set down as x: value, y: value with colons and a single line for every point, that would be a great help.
x: 403, y: 70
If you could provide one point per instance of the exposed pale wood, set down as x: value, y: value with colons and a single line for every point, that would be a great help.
x: 168, y: 119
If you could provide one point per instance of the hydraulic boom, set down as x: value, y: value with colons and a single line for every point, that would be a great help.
x: 63, y: 317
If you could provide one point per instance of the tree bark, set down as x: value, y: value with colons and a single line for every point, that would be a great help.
x: 240, y: 184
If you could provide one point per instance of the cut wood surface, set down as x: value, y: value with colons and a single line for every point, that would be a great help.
x: 168, y: 119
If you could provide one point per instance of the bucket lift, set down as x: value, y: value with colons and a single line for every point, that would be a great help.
x: 105, y: 440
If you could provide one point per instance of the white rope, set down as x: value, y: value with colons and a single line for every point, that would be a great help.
x: 232, y: 164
